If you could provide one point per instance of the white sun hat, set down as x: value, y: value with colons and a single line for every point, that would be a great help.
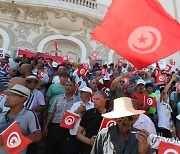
x: 87, y: 89
x: 123, y: 107
x: 20, y: 90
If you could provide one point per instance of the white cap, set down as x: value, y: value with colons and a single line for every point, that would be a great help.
x: 140, y: 81
x: 54, y: 64
x: 87, y: 89
x: 106, y: 78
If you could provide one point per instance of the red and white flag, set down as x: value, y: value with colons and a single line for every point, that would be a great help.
x: 5, y: 68
x: 136, y: 36
x: 178, y: 87
x: 107, y: 123
x: 40, y: 74
x: 65, y: 58
x: 134, y: 71
x: 161, y: 78
x: 103, y: 71
x: 167, y: 148
x: 82, y: 71
x: 56, y: 45
x: 149, y: 101
x: 168, y: 68
x: 119, y: 63
x: 69, y: 120
x: 94, y: 55
x: 13, y: 139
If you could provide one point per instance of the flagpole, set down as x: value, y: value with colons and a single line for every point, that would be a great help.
x: 175, y: 11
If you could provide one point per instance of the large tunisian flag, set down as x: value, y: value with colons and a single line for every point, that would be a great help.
x: 141, y: 31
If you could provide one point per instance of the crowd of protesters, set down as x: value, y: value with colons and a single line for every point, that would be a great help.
x: 55, y: 88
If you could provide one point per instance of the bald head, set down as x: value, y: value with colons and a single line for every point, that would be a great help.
x: 26, y: 69
x: 16, y: 80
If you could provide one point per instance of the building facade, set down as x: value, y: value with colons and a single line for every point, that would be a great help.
x: 37, y: 24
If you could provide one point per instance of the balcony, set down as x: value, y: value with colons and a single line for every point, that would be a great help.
x: 86, y: 7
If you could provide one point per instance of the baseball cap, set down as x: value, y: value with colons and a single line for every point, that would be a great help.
x: 140, y: 81
x: 87, y: 89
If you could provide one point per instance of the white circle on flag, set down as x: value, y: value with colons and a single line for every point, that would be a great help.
x: 144, y: 39
x: 161, y: 78
x: 110, y: 123
x: 170, y: 150
x: 82, y: 71
x: 13, y: 140
x: 69, y: 120
x: 149, y: 101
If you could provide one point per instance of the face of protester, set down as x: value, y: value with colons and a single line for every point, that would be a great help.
x: 85, y: 95
x: 99, y: 101
x: 61, y: 69
x: 149, y: 90
x: 67, y: 65
x: 125, y: 123
x: 12, y: 72
x: 13, y: 99
x: 140, y: 88
x: 93, y: 85
x: 31, y: 84
x: 120, y: 85
x: 69, y: 86
x: 63, y: 80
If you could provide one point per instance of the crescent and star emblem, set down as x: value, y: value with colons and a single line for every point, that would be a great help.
x: 144, y: 39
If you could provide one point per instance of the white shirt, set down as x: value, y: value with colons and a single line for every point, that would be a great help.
x: 75, y: 106
x: 38, y: 99
x: 56, y: 79
x: 144, y: 122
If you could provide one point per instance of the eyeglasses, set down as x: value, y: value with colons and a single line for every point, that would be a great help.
x: 121, y: 81
x: 11, y: 95
x: 14, y: 71
x: 31, y: 81
x: 141, y: 74
x: 130, y: 118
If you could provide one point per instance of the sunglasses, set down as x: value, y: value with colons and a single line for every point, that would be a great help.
x: 130, y: 118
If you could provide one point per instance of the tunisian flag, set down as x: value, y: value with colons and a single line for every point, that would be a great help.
x: 82, y: 71
x: 141, y: 31
x: 13, y: 139
x: 69, y: 120
x: 161, y: 78
x: 107, y: 123
x: 149, y: 101
x: 167, y: 148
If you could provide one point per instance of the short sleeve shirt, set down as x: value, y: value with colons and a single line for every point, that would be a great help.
x: 53, y: 91
x: 91, y: 122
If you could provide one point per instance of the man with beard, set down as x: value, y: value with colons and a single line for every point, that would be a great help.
x: 122, y: 138
x: 140, y: 94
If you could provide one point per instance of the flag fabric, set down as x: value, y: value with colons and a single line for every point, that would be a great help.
x: 56, y: 46
x: 82, y: 71
x: 149, y: 101
x: 103, y: 71
x: 157, y: 69
x: 40, y: 74
x: 161, y: 78
x: 69, y: 120
x: 168, y: 68
x: 107, y: 123
x: 134, y: 71
x: 130, y: 30
x: 5, y: 68
x: 167, y: 148
x: 65, y: 58
x: 13, y: 139
x: 94, y: 55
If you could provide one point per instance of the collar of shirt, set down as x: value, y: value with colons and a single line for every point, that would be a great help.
x: 139, y: 120
x: 20, y: 112
x: 72, y: 97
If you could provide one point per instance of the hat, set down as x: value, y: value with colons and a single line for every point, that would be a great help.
x: 7, y: 55
x: 106, y: 78
x: 178, y: 117
x: 54, y: 64
x: 34, y: 77
x: 86, y: 89
x: 20, y: 90
x: 140, y: 81
x: 123, y: 107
